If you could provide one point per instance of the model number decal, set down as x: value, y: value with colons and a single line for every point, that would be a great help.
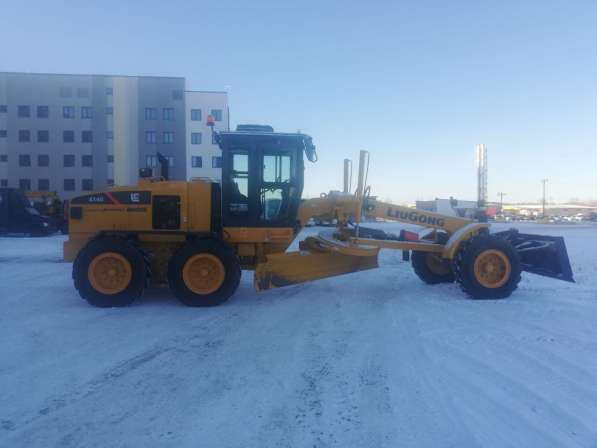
x: 115, y: 197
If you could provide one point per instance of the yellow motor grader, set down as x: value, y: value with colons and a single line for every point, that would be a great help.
x: 197, y: 236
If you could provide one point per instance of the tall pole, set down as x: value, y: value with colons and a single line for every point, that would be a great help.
x: 501, y: 195
x: 544, y: 182
x: 481, y: 156
x: 347, y: 175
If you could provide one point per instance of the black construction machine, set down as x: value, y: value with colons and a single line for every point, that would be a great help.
x: 18, y: 215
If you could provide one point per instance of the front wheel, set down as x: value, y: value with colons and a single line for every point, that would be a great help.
x: 204, y: 273
x: 432, y: 268
x: 487, y: 267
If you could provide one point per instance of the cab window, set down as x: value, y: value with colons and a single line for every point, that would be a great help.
x: 276, y: 168
x: 274, y: 192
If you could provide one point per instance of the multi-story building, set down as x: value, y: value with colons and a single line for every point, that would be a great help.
x: 75, y: 133
x: 204, y: 157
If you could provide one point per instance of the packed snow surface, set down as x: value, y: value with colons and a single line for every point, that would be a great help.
x: 371, y: 359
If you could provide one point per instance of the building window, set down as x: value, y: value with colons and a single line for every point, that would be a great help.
x: 86, y: 112
x: 66, y: 92
x: 216, y: 162
x: 3, y: 157
x: 151, y: 137
x: 195, y: 114
x: 195, y: 138
x: 213, y: 138
x: 196, y: 162
x: 109, y: 91
x: 43, y: 184
x: 168, y: 114
x: 151, y: 161
x: 3, y: 182
x: 87, y: 160
x: 69, y: 184
x: 177, y: 94
x: 43, y: 136
x: 23, y: 111
x: 3, y: 108
x: 69, y: 160
x: 43, y: 160
x: 83, y: 92
x: 110, y: 158
x: 109, y: 135
x: 25, y: 184
x: 168, y: 137
x: 87, y: 184
x: 43, y: 111
x: 217, y: 114
x: 24, y: 135
x: 151, y: 113
x: 3, y: 133
x: 68, y: 136
x: 110, y: 182
x: 68, y: 112
x: 87, y: 137
x: 109, y: 111
x: 24, y: 160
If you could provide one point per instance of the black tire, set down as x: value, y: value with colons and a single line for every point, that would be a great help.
x: 464, y: 267
x: 94, y: 248
x: 431, y: 268
x: 226, y: 256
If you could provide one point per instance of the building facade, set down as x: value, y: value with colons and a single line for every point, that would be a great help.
x: 77, y: 133
x: 204, y: 157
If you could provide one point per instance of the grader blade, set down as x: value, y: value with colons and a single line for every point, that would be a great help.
x: 318, y: 258
x: 541, y: 254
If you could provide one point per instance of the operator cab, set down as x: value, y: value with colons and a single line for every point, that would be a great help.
x: 262, y: 176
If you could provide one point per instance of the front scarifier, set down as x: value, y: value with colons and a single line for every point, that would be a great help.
x: 540, y: 254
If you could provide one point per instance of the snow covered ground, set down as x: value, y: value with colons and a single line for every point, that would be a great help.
x: 371, y: 359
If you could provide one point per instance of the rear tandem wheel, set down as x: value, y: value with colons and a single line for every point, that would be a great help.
x: 204, y: 273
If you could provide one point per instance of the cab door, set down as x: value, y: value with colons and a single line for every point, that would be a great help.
x: 276, y: 172
x: 259, y: 182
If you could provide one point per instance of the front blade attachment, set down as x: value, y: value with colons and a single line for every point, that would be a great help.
x: 541, y: 254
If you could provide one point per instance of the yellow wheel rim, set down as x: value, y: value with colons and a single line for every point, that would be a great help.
x: 110, y: 273
x: 437, y: 264
x: 203, y: 273
x: 492, y: 268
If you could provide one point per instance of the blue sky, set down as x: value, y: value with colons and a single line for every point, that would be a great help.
x: 417, y: 83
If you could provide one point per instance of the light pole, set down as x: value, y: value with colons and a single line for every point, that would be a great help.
x: 544, y: 182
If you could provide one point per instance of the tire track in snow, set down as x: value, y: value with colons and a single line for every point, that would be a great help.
x: 118, y: 372
x: 506, y: 398
x: 425, y: 404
